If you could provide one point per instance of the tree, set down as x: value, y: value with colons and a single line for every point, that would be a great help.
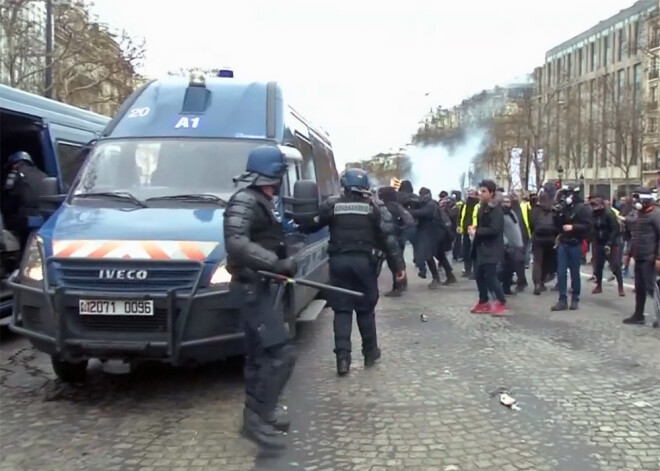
x: 622, y: 136
x: 93, y: 67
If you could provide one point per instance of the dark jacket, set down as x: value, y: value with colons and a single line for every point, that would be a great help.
x: 488, y: 244
x: 427, y: 227
x: 645, y: 234
x: 579, y: 216
x: 542, y: 222
x: 606, y: 227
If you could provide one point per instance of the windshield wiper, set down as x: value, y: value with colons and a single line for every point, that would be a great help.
x: 202, y: 197
x: 119, y: 195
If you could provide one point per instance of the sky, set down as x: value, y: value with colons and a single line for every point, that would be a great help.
x: 365, y: 71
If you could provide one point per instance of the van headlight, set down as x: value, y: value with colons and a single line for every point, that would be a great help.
x: 220, y: 276
x: 32, y: 267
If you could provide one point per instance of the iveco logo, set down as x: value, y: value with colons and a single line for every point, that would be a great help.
x: 123, y: 274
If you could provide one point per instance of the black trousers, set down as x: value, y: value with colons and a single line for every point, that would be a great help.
x: 467, y: 253
x: 486, y: 277
x: 443, y: 261
x: 513, y: 262
x: 269, y: 354
x: 545, y: 262
x: 457, y: 248
x: 599, y: 256
x: 355, y: 271
x: 644, y: 280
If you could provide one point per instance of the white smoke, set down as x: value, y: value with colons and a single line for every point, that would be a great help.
x: 440, y: 167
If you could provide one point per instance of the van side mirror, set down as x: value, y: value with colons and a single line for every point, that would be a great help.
x: 290, y: 153
x: 305, y: 202
x: 50, y: 194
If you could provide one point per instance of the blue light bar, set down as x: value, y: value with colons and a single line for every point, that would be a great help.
x: 226, y: 73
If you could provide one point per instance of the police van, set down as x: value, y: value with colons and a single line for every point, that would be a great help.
x: 132, y: 266
x: 54, y: 134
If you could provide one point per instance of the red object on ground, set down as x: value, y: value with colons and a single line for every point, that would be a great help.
x: 481, y: 308
x: 500, y: 309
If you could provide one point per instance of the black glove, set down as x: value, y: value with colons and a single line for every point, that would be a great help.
x: 286, y: 266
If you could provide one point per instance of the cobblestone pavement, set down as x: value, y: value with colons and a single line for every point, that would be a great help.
x: 587, y: 386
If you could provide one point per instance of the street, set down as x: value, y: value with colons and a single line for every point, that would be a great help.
x: 587, y: 387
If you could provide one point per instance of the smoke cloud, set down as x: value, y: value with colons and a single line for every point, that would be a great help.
x: 440, y: 167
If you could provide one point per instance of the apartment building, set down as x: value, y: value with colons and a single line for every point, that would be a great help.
x: 594, y: 106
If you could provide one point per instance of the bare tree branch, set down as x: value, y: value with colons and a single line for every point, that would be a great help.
x: 92, y: 67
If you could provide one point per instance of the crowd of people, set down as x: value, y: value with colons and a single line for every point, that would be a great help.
x: 556, y: 232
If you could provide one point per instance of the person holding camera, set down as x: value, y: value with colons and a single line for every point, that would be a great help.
x: 643, y: 249
x: 573, y: 219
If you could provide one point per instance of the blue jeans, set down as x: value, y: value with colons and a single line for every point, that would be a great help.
x: 569, y: 257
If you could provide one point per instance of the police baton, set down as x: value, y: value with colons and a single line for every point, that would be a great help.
x: 311, y: 284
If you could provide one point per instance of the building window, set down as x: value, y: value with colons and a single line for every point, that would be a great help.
x: 620, y: 46
x: 606, y: 50
x: 638, y: 37
x: 621, y: 84
x: 653, y: 93
x: 579, y: 62
x: 653, y: 125
x: 569, y: 65
x: 592, y: 54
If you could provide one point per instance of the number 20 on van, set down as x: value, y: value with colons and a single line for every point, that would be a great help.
x: 185, y: 122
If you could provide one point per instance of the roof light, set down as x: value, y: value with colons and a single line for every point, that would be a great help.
x: 226, y: 73
x: 197, y: 78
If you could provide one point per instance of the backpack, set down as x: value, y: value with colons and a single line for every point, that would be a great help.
x: 545, y: 224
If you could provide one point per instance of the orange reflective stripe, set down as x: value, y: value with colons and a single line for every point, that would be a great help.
x: 192, y: 251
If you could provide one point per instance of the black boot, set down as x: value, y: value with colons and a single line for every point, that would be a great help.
x: 261, y: 432
x: 279, y: 419
x: 537, y: 290
x: 574, y: 305
x: 560, y: 306
x: 435, y: 284
x: 635, y: 320
x: 371, y: 357
x: 396, y: 291
x: 343, y: 364
x: 451, y: 279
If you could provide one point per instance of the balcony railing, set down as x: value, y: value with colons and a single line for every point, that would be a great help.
x: 654, y: 42
x: 652, y: 105
x: 653, y: 74
x: 650, y: 166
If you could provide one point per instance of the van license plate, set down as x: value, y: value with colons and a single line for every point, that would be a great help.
x: 105, y: 307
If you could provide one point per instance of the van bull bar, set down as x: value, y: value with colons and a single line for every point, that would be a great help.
x: 186, y: 320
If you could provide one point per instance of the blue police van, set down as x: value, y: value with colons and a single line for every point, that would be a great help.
x: 54, y: 134
x: 131, y: 267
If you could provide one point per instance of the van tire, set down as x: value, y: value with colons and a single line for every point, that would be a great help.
x: 67, y: 371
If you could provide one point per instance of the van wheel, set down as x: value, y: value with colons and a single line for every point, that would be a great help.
x: 69, y: 372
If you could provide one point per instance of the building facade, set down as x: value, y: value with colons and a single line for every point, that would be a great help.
x: 595, y: 106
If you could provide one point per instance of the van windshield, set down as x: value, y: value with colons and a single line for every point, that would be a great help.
x: 155, y: 168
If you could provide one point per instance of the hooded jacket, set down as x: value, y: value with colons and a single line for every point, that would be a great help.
x: 488, y: 244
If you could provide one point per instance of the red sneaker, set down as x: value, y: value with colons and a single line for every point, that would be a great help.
x: 481, y: 308
x: 500, y: 309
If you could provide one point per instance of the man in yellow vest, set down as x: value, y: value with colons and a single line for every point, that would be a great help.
x: 468, y: 217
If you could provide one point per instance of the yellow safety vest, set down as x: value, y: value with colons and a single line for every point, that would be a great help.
x: 461, y: 218
x: 475, y: 214
x: 525, y: 208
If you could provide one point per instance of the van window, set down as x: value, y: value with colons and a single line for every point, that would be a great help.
x: 325, y: 169
x: 70, y: 159
x: 308, y: 167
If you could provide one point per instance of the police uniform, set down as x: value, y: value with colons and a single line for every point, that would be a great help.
x: 254, y: 239
x: 20, y: 193
x: 361, y: 229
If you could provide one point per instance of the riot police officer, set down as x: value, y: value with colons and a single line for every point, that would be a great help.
x: 254, y: 239
x: 361, y: 229
x: 20, y: 193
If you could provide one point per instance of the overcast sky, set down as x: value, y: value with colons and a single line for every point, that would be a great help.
x: 359, y: 68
